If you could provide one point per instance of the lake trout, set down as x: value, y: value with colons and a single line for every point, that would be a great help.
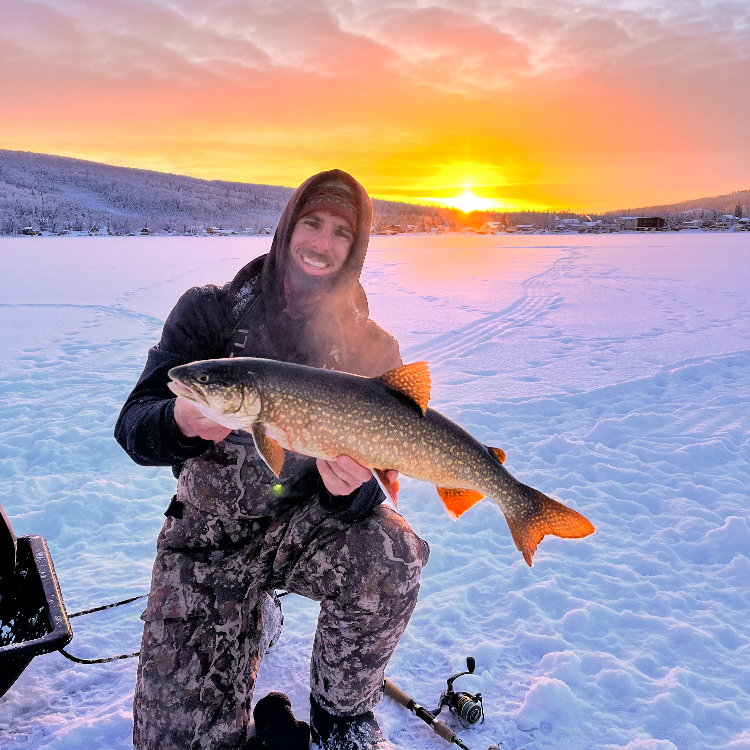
x: 383, y: 423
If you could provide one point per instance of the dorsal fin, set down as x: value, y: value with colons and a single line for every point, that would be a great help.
x: 413, y: 381
x: 498, y: 453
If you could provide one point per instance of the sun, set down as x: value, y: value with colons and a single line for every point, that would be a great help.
x: 467, y: 202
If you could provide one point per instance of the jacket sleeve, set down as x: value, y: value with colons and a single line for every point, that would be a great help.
x: 354, y: 507
x: 146, y: 427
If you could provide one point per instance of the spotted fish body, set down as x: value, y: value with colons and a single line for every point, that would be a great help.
x: 382, y: 423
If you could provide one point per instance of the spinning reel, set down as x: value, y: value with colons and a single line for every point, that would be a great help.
x: 467, y: 707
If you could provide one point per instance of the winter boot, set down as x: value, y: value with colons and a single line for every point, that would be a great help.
x: 275, y: 726
x: 331, y: 732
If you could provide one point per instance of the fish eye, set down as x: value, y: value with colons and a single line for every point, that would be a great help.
x: 202, y: 378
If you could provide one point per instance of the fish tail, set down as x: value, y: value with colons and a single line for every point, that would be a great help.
x: 546, y: 516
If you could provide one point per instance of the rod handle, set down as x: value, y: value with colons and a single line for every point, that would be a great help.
x: 441, y: 729
x: 398, y: 695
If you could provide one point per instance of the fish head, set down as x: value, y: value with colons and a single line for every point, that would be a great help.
x: 221, y: 389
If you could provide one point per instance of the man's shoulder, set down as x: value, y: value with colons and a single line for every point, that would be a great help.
x: 199, y: 301
x: 244, y: 288
x: 231, y: 299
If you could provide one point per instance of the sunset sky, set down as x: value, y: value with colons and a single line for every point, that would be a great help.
x: 584, y: 104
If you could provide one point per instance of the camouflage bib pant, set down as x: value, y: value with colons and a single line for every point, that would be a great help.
x: 204, y: 632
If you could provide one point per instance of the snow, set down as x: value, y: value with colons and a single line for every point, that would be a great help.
x: 614, y: 371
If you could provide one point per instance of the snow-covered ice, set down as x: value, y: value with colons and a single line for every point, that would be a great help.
x: 615, y: 372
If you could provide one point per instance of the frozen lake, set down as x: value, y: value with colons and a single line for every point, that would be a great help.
x: 613, y: 369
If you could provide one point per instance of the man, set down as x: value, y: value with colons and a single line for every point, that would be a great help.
x: 234, y: 532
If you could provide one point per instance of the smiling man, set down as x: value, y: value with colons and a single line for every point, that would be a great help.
x: 234, y: 532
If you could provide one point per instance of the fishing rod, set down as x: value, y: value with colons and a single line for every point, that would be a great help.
x: 467, y: 707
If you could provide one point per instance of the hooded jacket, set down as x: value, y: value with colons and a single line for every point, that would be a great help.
x: 250, y: 317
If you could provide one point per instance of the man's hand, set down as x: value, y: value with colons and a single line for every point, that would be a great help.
x: 344, y: 475
x: 193, y: 423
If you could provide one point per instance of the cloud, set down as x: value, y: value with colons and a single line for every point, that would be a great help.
x: 568, y: 92
x: 450, y: 49
x: 482, y: 45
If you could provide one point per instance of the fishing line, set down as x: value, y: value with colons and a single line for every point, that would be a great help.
x: 107, y: 606
x: 97, y: 661
x: 106, y: 659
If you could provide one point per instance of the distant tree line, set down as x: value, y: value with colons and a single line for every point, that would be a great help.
x: 54, y: 193
x: 712, y: 207
x: 418, y: 218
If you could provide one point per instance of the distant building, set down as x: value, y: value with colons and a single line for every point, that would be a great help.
x: 567, y: 225
x: 491, y: 227
x: 265, y: 230
x: 651, y: 222
x: 593, y: 226
x: 726, y: 222
x: 642, y: 223
x: 693, y: 224
x: 94, y: 231
x: 145, y: 232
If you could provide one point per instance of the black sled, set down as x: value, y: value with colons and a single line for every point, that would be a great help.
x: 33, y: 620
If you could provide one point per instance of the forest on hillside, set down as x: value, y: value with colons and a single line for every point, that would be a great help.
x: 55, y: 194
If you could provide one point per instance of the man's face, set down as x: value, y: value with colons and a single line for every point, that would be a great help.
x: 320, y: 243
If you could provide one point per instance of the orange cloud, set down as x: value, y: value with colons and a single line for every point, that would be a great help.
x: 596, y: 104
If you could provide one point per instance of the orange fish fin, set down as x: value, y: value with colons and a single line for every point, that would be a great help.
x: 389, y: 488
x: 498, y: 453
x: 412, y: 381
x: 269, y: 450
x: 457, y: 501
x: 547, y: 517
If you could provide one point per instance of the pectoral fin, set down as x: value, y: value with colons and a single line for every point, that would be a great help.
x: 458, y: 501
x: 269, y: 450
x: 389, y: 488
x: 546, y: 517
x: 412, y: 381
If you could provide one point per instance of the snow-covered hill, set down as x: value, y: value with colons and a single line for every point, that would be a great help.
x: 52, y: 193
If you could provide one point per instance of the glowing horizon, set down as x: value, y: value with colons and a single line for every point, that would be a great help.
x: 589, y: 106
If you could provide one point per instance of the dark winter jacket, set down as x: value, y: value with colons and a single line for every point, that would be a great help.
x: 236, y: 320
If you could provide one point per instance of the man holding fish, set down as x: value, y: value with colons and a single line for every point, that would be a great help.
x: 235, y: 531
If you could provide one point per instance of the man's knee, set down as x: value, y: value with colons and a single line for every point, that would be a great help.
x: 384, y: 553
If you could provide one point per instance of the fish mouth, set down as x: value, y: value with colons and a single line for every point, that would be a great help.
x: 191, y: 394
